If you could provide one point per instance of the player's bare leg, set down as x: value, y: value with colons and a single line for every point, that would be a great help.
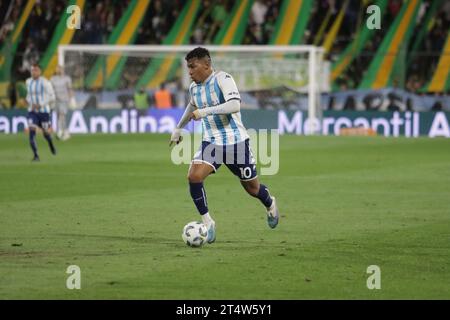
x: 198, y: 171
x: 260, y: 191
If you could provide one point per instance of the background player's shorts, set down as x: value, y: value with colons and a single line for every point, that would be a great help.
x: 39, y: 119
x: 61, y: 106
x: 237, y: 157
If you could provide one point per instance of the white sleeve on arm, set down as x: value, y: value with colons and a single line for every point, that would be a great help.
x: 228, y: 107
x: 185, y: 118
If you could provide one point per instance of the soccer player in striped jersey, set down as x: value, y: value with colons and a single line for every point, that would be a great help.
x: 39, y: 96
x: 215, y: 100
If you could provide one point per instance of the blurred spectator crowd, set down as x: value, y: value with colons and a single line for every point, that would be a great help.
x: 100, y: 17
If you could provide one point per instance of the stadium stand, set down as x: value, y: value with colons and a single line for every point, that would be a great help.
x: 410, y: 51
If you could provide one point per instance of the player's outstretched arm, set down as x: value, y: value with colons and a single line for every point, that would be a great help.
x: 176, y: 134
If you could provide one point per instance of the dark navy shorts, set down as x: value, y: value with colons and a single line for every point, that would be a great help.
x: 39, y: 119
x: 237, y: 157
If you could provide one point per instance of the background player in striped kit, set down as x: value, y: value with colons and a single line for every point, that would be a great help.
x: 62, y: 84
x: 215, y: 100
x: 39, y: 96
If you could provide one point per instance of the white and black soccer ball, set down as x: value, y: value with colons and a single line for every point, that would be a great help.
x: 194, y: 234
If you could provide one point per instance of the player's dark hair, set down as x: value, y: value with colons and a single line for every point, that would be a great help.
x: 198, y: 53
x: 35, y: 65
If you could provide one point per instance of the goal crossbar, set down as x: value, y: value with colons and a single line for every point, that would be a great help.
x: 315, y: 58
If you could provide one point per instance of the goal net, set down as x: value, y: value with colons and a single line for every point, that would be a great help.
x: 268, y: 77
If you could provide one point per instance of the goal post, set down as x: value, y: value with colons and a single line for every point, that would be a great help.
x: 268, y: 76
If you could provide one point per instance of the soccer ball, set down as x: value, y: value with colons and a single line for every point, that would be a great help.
x: 194, y: 234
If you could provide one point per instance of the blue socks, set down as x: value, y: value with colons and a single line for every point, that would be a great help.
x: 32, y: 136
x: 264, y: 196
x: 198, y: 194
x: 48, y: 137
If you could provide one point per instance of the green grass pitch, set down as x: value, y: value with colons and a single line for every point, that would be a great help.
x: 115, y: 206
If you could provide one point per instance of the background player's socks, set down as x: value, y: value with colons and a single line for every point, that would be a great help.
x: 198, y: 194
x: 264, y: 196
x: 48, y: 137
x: 32, y: 137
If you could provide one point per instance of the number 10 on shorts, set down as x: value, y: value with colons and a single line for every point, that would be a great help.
x: 246, y: 172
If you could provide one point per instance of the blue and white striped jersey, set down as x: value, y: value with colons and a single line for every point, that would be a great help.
x: 219, y: 129
x: 39, y: 92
